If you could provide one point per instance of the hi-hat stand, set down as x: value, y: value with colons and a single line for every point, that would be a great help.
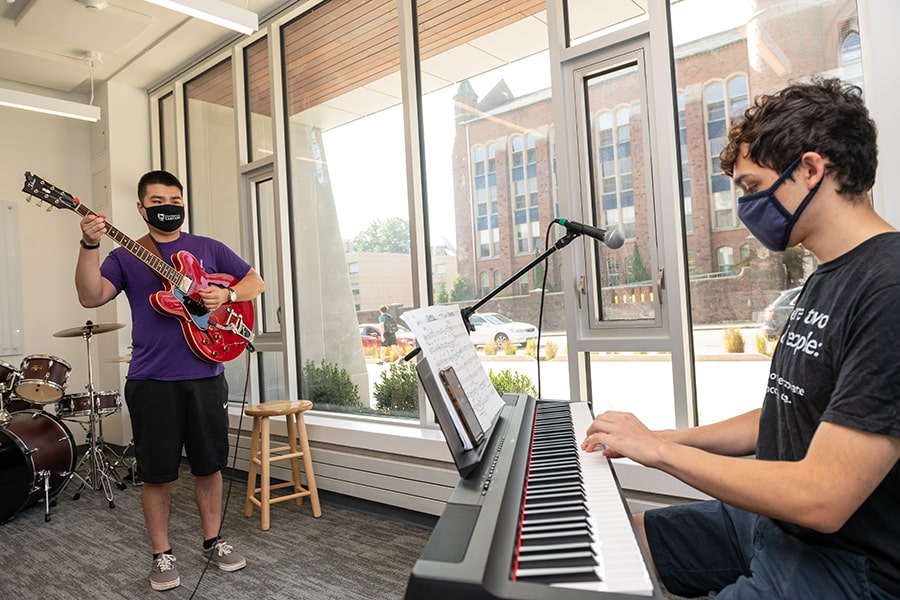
x: 101, y: 474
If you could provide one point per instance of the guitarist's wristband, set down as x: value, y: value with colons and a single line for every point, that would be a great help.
x: 88, y: 247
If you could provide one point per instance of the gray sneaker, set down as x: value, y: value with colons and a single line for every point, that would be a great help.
x: 163, y: 573
x: 223, y: 555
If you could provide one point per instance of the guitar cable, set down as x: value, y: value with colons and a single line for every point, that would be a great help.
x: 231, y: 477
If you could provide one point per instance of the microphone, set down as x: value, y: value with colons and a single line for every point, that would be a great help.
x: 611, y: 237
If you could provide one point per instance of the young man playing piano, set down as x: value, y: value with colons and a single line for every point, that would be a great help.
x: 815, y: 515
x: 175, y: 398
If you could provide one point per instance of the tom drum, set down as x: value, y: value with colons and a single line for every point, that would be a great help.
x: 44, y: 378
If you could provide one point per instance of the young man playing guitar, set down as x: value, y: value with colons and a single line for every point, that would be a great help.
x: 176, y: 397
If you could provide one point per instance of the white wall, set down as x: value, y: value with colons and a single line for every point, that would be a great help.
x: 75, y: 156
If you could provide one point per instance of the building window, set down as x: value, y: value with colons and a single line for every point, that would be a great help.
x: 487, y: 223
x: 523, y: 285
x: 685, y: 166
x: 851, y: 52
x: 725, y: 258
x: 485, y: 284
x: 612, y: 271
x: 723, y: 101
x: 524, y: 186
x: 354, y: 268
x: 615, y: 169
x: 629, y: 264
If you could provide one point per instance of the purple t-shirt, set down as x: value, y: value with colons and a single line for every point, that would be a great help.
x: 159, y: 350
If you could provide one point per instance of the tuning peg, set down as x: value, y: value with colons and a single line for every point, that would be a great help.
x: 49, y: 207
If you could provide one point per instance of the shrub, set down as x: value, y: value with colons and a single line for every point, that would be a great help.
x: 490, y: 348
x: 329, y: 384
x: 762, y: 345
x: 398, y: 390
x: 508, y: 348
x: 734, y: 340
x: 550, y: 350
x: 512, y: 382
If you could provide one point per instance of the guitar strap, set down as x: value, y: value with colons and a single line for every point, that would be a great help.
x: 151, y: 246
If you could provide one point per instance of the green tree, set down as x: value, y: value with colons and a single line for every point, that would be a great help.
x: 638, y: 271
x: 384, y: 235
x: 459, y: 291
x: 441, y: 295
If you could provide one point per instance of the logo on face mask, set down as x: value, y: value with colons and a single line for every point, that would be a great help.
x: 767, y: 218
x: 167, y: 217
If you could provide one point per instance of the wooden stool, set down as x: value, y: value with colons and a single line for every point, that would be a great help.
x: 262, y: 454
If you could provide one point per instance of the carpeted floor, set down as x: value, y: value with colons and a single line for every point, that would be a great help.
x: 88, y: 550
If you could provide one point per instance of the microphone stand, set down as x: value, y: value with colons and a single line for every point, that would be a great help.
x: 469, y: 310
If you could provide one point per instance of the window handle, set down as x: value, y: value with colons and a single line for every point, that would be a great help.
x: 581, y: 290
x: 661, y: 283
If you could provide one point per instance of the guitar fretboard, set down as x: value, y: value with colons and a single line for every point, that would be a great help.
x: 161, y: 267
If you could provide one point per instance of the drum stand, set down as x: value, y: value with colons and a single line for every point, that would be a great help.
x: 101, y: 474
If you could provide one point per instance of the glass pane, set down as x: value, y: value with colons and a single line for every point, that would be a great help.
x: 168, y: 141
x: 259, y: 107
x: 489, y: 171
x: 740, y: 292
x: 212, y: 181
x: 212, y: 198
x: 636, y: 382
x: 613, y: 100
x: 589, y: 19
x: 347, y: 195
x: 271, y: 377
x: 269, y: 321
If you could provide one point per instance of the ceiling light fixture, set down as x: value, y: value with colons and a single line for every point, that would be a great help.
x: 48, y: 105
x: 215, y: 11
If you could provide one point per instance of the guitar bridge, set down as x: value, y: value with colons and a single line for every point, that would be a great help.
x: 235, y: 324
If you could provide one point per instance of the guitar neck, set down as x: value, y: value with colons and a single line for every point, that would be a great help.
x: 159, y: 266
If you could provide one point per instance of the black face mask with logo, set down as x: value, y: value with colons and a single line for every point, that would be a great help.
x: 165, y: 217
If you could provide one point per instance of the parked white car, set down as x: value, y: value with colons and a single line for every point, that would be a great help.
x: 494, y: 327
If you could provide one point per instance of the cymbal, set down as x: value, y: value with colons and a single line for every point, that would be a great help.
x: 88, y: 329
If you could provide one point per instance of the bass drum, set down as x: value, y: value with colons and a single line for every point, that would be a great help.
x: 33, y: 445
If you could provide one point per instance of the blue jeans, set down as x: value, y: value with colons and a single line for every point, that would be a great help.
x: 703, y: 547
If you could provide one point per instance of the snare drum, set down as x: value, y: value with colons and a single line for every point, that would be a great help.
x: 44, y: 378
x: 79, y: 405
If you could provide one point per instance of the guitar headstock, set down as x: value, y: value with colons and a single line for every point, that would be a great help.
x: 43, y: 190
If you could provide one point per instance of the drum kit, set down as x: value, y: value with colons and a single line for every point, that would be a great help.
x: 37, y: 449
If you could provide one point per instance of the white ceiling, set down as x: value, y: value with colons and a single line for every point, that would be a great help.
x: 47, y: 43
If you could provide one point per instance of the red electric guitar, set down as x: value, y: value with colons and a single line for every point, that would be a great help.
x: 217, y: 336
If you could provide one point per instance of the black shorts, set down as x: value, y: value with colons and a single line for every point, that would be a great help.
x: 169, y: 415
x: 389, y: 339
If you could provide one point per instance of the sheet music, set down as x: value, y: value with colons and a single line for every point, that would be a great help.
x: 442, y: 336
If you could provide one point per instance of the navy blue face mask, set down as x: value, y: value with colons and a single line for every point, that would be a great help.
x: 766, y: 218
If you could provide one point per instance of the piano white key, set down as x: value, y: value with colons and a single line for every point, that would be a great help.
x: 622, y: 565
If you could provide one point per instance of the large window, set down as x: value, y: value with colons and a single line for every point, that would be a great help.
x: 348, y: 198
x: 433, y: 183
x: 728, y: 53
